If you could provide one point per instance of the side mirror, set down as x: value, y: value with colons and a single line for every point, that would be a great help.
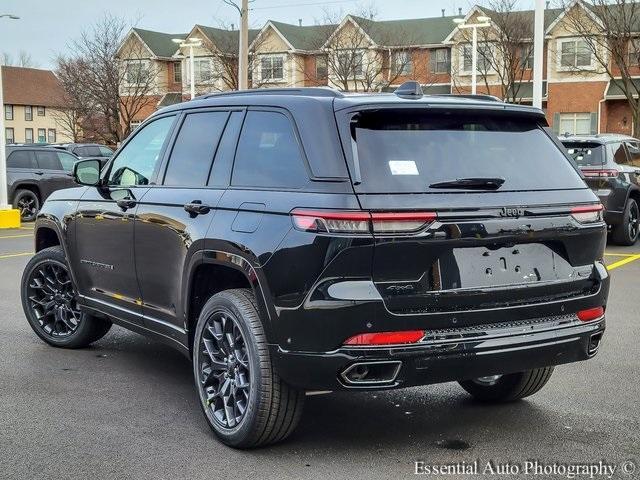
x: 87, y: 172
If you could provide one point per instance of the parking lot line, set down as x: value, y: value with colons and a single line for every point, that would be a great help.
x: 620, y: 254
x: 11, y: 255
x: 17, y: 236
x: 624, y: 261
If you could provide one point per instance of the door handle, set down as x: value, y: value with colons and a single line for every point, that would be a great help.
x: 126, y: 203
x: 196, y: 208
x: 39, y: 173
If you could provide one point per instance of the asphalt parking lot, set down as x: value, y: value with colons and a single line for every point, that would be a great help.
x: 126, y: 408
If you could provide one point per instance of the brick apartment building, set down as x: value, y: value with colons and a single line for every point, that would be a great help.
x: 360, y: 54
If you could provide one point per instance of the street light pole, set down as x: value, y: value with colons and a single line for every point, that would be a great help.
x: 4, y: 199
x: 538, y: 48
x: 194, y: 42
x: 484, y: 22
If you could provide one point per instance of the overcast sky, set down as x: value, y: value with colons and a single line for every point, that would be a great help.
x: 47, y: 26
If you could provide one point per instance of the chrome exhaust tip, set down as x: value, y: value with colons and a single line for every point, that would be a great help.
x: 371, y: 373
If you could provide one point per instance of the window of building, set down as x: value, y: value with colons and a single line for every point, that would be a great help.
x: 194, y: 149
x: 575, y: 123
x: 40, y: 111
x: 350, y: 63
x: 28, y: 113
x: 137, y: 72
x: 268, y: 153
x: 634, y: 51
x: 441, y: 60
x: 42, y: 135
x: 575, y: 53
x: 322, y: 71
x: 272, y: 68
x: 177, y: 72
x: 138, y: 161
x: 203, y: 70
x: 28, y: 135
x: 9, y: 135
x: 401, y: 63
x: 52, y: 135
x: 485, y: 54
x: 8, y: 112
x: 133, y: 124
x: 526, y: 57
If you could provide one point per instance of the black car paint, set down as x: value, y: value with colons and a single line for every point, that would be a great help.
x: 292, y: 272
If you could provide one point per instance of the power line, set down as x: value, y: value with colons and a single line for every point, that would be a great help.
x: 311, y: 4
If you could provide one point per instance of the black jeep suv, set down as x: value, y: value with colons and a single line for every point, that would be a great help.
x: 304, y: 240
x: 611, y: 166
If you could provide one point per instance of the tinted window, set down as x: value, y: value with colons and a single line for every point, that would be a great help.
x: 48, y: 160
x: 105, y: 151
x: 138, y: 161
x: 195, y: 148
x: 66, y: 160
x: 21, y: 159
x: 406, y: 151
x: 268, y: 153
x: 586, y: 154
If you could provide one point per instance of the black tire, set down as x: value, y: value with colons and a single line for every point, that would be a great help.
x: 64, y: 325
x: 627, y: 232
x: 508, y: 388
x: 28, y: 203
x: 271, y: 409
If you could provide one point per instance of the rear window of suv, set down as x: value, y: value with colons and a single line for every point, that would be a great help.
x: 586, y: 154
x: 403, y: 151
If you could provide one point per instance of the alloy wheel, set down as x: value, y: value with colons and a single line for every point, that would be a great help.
x: 224, y: 378
x: 27, y: 206
x: 634, y: 216
x: 53, y: 300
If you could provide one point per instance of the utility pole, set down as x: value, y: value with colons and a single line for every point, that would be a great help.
x: 243, y: 50
x: 538, y: 48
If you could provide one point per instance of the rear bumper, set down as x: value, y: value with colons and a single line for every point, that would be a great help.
x: 489, y: 352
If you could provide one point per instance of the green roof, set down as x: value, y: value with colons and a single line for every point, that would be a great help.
x: 526, y: 16
x: 159, y: 43
x: 416, y: 31
x: 305, y: 37
x: 615, y: 89
x: 226, y: 40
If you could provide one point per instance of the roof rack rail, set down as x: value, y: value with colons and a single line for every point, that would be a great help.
x: 301, y: 91
x: 477, y: 96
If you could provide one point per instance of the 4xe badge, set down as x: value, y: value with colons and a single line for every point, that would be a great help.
x: 511, y: 212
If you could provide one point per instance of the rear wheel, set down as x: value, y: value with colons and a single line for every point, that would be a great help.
x: 627, y: 232
x: 49, y: 303
x: 28, y: 203
x: 507, y: 388
x: 243, y: 399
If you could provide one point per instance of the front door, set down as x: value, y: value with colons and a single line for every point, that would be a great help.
x: 173, y: 218
x: 103, y: 255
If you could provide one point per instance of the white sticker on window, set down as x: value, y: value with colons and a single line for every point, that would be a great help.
x: 403, y: 167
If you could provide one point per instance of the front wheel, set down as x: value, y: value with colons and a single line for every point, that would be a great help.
x: 627, y: 232
x: 49, y: 303
x: 507, y: 388
x: 243, y: 399
x: 28, y: 203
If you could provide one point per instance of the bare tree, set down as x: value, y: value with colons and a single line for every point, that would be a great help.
x: 24, y: 60
x: 504, y: 49
x: 116, y: 90
x: 610, y: 41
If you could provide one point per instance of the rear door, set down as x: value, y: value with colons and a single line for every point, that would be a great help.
x: 446, y: 245
x: 51, y: 172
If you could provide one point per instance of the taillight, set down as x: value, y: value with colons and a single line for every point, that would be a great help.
x: 386, y: 338
x: 356, y: 222
x: 600, y: 172
x: 590, y: 314
x: 587, y: 213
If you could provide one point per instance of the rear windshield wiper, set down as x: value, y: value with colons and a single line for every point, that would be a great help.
x: 481, y: 183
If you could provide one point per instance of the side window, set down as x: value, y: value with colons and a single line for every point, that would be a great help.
x: 48, y: 161
x: 66, y: 160
x: 633, y: 148
x: 268, y: 153
x: 105, y: 152
x: 21, y: 159
x: 195, y: 148
x: 139, y: 160
x: 618, y: 153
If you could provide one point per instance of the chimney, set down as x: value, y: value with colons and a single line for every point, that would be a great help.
x: 233, y: 27
x: 547, y: 7
x: 460, y: 11
x: 443, y: 12
x: 299, y: 22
